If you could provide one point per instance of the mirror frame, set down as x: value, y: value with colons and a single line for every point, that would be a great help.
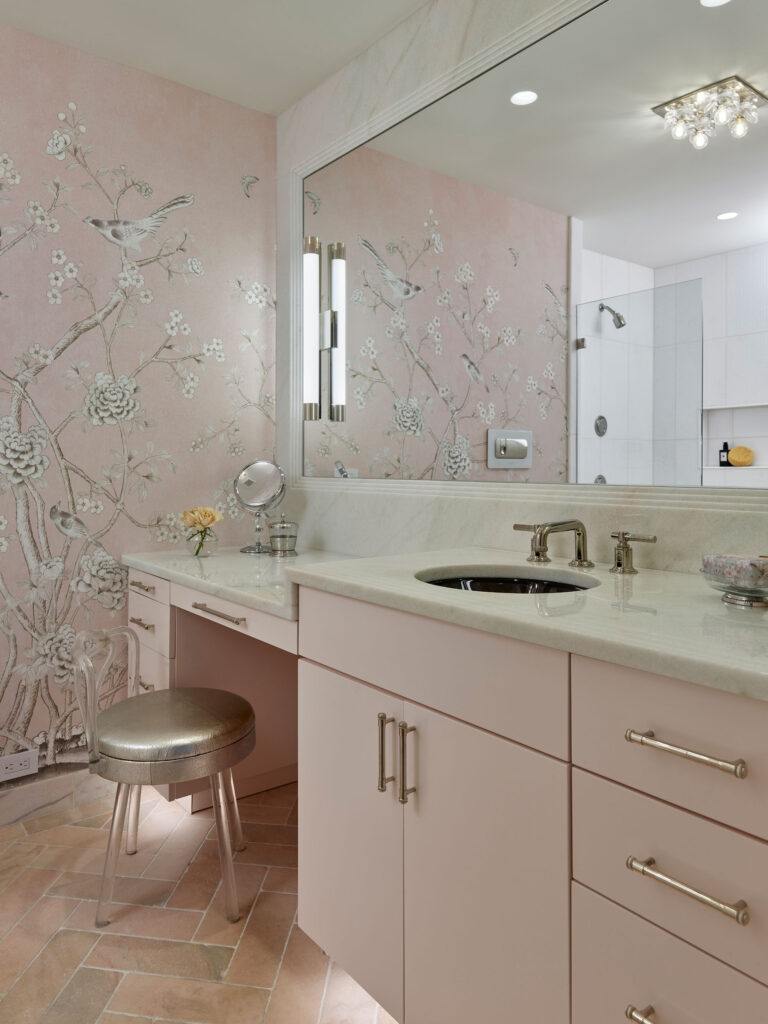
x: 294, y: 166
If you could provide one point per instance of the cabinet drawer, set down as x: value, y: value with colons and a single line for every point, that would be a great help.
x: 270, y: 628
x: 149, y: 586
x: 608, y: 700
x: 154, y: 669
x: 509, y: 687
x: 153, y: 622
x: 611, y: 824
x: 620, y: 960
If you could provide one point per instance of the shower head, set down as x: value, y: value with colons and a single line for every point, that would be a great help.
x: 618, y: 319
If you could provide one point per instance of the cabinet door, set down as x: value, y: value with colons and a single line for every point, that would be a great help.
x: 350, y: 834
x: 486, y: 878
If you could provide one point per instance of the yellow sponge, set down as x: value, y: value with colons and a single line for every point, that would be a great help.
x: 741, y: 456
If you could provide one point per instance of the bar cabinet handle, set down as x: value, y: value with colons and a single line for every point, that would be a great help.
x: 402, y: 731
x: 149, y: 626
x: 648, y: 739
x: 142, y: 586
x: 736, y: 911
x: 384, y: 779
x: 238, y: 621
x: 640, y: 1016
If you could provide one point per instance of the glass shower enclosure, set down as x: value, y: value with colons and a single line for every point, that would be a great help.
x: 638, y: 366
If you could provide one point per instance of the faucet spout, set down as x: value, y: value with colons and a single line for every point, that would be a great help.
x: 541, y: 532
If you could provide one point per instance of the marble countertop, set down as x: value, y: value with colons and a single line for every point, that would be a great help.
x: 256, y: 581
x: 664, y: 622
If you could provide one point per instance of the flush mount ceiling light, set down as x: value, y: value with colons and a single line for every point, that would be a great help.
x: 523, y: 98
x: 731, y: 103
x: 727, y: 216
x: 713, y: 3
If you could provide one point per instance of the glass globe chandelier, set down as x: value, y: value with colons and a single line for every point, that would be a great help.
x: 731, y: 103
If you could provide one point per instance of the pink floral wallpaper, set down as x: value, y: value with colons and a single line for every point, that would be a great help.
x: 137, y: 236
x: 456, y: 323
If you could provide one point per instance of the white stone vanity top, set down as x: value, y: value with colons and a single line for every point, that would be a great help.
x: 256, y: 581
x: 664, y: 622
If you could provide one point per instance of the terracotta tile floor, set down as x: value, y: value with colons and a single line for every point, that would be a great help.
x: 169, y: 956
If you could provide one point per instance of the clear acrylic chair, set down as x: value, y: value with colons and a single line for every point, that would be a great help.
x: 159, y: 737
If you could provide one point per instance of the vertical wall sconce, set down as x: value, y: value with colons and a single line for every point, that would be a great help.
x: 324, y: 333
x: 311, y: 327
x: 337, y: 281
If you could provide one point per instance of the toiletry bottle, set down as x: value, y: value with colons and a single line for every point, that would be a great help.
x: 724, y: 455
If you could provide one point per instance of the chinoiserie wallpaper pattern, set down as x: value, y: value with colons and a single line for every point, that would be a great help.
x: 456, y: 319
x: 137, y: 235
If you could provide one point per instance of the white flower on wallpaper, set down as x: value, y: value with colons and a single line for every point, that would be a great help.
x: 64, y: 503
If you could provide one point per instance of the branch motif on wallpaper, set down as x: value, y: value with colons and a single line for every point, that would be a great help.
x: 61, y: 507
x: 435, y: 373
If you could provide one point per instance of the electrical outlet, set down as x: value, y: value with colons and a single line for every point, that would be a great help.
x: 12, y: 766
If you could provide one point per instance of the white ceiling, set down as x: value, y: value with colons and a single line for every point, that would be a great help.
x: 591, y: 147
x: 265, y: 54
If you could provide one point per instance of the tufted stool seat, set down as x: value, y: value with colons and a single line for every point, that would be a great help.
x: 156, y: 738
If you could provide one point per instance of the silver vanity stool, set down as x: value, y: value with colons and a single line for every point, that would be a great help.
x: 160, y: 737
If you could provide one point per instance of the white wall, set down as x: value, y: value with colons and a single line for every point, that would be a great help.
x: 615, y: 371
x: 735, y: 306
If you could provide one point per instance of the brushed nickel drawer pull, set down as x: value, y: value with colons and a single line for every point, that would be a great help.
x: 402, y: 731
x: 640, y: 1016
x: 736, y: 911
x: 384, y: 779
x: 142, y: 586
x: 149, y: 626
x: 648, y: 739
x: 238, y: 621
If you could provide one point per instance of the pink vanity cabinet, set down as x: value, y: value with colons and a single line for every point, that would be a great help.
x: 434, y: 855
x: 190, y: 638
x: 678, y: 934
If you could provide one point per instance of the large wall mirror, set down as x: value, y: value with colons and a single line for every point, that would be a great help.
x: 564, y: 290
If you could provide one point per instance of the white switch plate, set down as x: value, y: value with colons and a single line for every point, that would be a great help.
x: 515, y: 435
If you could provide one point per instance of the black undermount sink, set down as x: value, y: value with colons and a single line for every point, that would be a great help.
x: 507, y: 585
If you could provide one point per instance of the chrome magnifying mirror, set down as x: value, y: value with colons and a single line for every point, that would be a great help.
x: 259, y: 487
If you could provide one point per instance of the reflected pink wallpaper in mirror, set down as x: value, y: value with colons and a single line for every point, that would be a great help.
x: 456, y: 323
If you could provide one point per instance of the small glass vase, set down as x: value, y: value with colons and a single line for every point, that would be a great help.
x: 202, y: 543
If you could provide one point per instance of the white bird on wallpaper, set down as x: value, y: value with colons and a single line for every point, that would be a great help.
x: 561, y: 310
x: 314, y: 198
x: 70, y: 525
x: 129, y: 234
x: 474, y: 371
x: 246, y: 181
x: 401, y: 289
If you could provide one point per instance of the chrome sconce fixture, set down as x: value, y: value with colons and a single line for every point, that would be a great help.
x: 730, y: 103
x: 324, y: 333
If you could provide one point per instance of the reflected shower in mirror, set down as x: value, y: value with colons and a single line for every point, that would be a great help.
x: 530, y: 270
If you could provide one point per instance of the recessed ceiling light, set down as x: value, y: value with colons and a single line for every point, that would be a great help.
x: 727, y: 216
x: 713, y: 3
x: 522, y: 99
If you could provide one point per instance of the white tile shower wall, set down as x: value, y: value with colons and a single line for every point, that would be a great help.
x: 615, y: 371
x: 735, y: 368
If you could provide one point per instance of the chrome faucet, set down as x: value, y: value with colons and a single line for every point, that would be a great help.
x: 541, y: 532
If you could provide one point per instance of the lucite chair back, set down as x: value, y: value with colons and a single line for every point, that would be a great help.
x: 160, y: 736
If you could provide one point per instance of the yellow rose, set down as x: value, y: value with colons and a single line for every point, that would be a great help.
x: 207, y: 516
x: 200, y: 517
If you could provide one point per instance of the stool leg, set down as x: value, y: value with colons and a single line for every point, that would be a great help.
x: 134, y: 805
x: 238, y: 843
x: 219, y: 794
x: 112, y: 854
